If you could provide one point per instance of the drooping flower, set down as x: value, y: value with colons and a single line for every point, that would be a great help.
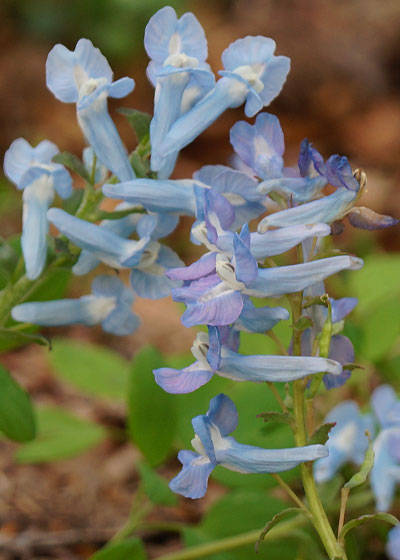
x: 84, y: 77
x: 252, y: 75
x: 347, y: 440
x: 214, y: 447
x: 32, y: 170
x: 109, y: 304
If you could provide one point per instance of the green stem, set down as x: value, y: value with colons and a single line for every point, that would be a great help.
x: 282, y: 530
x: 318, y: 515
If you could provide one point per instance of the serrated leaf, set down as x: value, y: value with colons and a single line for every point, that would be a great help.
x: 130, y: 548
x: 152, y: 417
x: 156, y: 487
x: 17, y: 418
x: 93, y: 369
x: 274, y: 416
x: 361, y: 476
x: 321, y: 435
x: 139, y: 121
x: 72, y: 162
x: 380, y: 516
x: 60, y: 435
x: 275, y: 520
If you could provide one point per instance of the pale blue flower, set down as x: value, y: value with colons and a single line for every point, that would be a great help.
x: 393, y: 543
x: 84, y: 77
x: 252, y: 75
x: 215, y: 357
x: 109, y: 304
x: 101, y: 242
x: 214, y: 447
x: 32, y: 170
x: 347, y: 440
x: 385, y: 474
x: 178, y: 49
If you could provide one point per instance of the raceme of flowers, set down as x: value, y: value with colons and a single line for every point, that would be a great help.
x: 289, y: 203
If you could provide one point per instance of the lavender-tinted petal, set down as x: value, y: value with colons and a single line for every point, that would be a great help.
x: 279, y: 241
x: 342, y: 307
x: 250, y: 459
x: 273, y: 368
x: 202, y: 267
x: 192, y: 481
x: 310, y: 158
x: 185, y: 380
x: 364, y: 218
x: 20, y: 155
x: 110, y: 286
x: 325, y: 210
x: 215, y: 346
x: 222, y: 309
x: 246, y: 267
x: 223, y: 414
x: 293, y: 278
x: 341, y: 349
x: 195, y: 289
x: 157, y: 196
x: 121, y: 321
x: 151, y: 285
x: 246, y: 51
x: 259, y: 319
x: 296, y: 189
x: 339, y: 174
x: 156, y: 226
x: 274, y: 77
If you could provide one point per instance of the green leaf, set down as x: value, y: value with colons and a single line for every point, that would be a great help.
x: 93, y: 369
x: 124, y: 550
x: 276, y: 417
x: 321, y: 435
x: 20, y: 337
x: 151, y: 411
x: 72, y: 162
x: 17, y: 419
x: 60, y: 436
x: 139, y: 121
x: 156, y: 487
x: 380, y: 516
x: 381, y: 329
x: 275, y: 520
x: 72, y: 203
x: 361, y: 476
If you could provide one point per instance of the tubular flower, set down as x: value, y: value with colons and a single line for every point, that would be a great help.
x: 109, y: 304
x: 32, y: 170
x: 214, y: 446
x: 84, y: 77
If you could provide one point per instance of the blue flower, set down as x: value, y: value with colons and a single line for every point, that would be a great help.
x: 216, y: 356
x: 252, y: 75
x: 110, y: 304
x: 178, y: 49
x: 347, y: 440
x: 385, y: 473
x: 101, y: 242
x: 84, y: 77
x: 393, y: 543
x: 214, y: 447
x: 32, y: 170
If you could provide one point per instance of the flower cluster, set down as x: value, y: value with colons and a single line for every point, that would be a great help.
x: 219, y: 289
x: 348, y: 442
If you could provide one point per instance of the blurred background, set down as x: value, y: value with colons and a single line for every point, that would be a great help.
x: 343, y: 93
